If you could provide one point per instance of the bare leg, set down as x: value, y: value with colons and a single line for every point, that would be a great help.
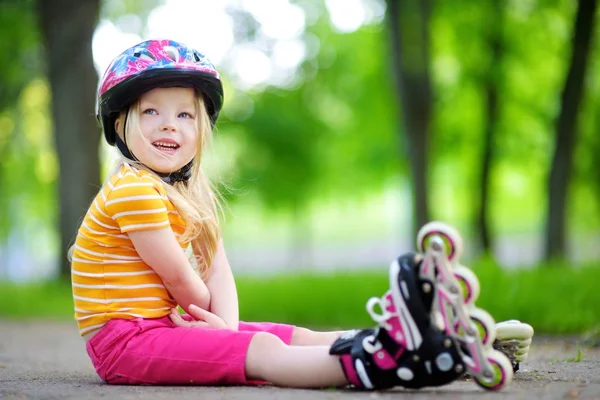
x: 271, y: 360
x: 306, y: 337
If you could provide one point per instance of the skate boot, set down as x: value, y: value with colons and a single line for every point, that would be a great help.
x: 406, y: 348
x: 455, y: 290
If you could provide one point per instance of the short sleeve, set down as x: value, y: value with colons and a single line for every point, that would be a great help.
x: 137, y: 204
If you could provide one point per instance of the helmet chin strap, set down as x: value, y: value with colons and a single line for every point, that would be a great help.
x: 183, y: 175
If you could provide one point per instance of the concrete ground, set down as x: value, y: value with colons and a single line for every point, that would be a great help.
x: 47, y: 360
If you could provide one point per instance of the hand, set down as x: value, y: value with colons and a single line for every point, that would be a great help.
x: 203, y: 319
x: 513, y: 339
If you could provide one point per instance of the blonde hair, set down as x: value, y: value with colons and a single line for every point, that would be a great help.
x: 196, y: 201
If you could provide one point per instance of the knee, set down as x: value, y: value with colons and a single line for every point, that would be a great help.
x: 263, y: 342
x: 301, y: 335
x: 263, y: 346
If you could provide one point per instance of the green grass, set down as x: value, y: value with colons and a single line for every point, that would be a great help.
x: 553, y: 299
x: 578, y: 357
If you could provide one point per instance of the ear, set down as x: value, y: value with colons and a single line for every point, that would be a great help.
x: 117, y: 125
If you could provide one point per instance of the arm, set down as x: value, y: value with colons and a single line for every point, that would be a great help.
x: 160, y: 250
x: 223, y: 292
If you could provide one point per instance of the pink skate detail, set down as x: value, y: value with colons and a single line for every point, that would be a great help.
x: 349, y: 370
x: 425, y: 266
x: 384, y: 360
x: 473, y: 363
x: 447, y: 328
x: 396, y: 332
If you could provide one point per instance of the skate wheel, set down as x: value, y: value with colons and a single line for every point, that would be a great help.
x: 485, y: 325
x: 502, y: 372
x: 483, y: 322
x: 468, y: 282
x: 452, y: 240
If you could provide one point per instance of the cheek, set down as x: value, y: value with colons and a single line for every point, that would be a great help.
x: 146, y: 127
x: 136, y: 142
x: 193, y: 138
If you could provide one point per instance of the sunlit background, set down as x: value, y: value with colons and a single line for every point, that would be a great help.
x: 311, y: 141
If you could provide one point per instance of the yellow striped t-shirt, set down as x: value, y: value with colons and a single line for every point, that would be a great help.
x: 109, y: 279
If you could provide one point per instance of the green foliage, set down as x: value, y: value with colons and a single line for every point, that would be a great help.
x: 556, y: 298
x: 129, y: 15
x: 553, y: 299
x: 29, y: 168
x: 20, y: 63
x: 278, y: 149
x: 38, y: 300
x: 19, y: 49
x: 333, y: 136
x: 345, y: 93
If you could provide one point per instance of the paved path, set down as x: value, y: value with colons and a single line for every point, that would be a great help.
x: 48, y: 361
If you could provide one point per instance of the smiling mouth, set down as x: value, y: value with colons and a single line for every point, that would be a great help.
x: 164, y: 146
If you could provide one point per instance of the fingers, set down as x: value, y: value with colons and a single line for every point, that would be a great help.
x: 179, y: 321
x: 197, y: 312
x: 211, y: 319
x: 203, y: 319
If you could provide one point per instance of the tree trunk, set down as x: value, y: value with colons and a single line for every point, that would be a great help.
x: 408, y: 27
x: 566, y: 129
x: 492, y: 84
x: 67, y: 28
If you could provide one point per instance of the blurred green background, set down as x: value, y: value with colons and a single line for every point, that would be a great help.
x: 347, y: 125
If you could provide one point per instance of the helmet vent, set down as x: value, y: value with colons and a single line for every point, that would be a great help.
x: 196, y: 57
x: 144, y: 55
x: 172, y: 53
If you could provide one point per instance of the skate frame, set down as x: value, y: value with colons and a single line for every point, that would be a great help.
x: 449, y: 296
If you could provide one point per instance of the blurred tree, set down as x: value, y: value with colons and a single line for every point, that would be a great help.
x: 491, y: 87
x: 67, y: 29
x: 566, y: 129
x: 584, y: 204
x: 408, y: 24
x: 73, y: 80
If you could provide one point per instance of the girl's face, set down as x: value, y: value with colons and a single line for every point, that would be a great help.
x: 169, y: 134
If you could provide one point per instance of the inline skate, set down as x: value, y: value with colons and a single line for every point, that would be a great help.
x: 456, y: 288
x: 429, y: 332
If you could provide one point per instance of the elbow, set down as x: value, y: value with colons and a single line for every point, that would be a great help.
x: 174, y: 282
x: 188, y: 289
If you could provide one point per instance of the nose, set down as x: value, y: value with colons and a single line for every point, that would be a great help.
x: 168, y: 125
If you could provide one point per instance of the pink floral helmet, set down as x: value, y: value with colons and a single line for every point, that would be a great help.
x: 152, y: 64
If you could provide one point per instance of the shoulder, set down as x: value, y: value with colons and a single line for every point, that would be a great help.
x: 130, y: 180
x: 131, y: 184
x: 136, y: 200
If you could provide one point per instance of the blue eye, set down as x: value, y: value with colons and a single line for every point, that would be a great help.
x: 185, y: 115
x: 150, y: 111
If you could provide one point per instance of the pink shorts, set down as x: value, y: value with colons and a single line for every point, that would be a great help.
x: 156, y: 352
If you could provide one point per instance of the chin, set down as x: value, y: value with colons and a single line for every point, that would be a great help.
x: 167, y: 169
x: 163, y: 169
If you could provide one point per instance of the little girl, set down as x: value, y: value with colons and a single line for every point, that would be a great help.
x: 158, y: 102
